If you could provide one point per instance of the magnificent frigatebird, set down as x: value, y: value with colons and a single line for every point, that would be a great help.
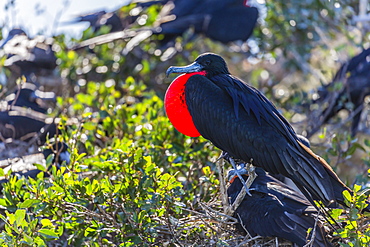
x: 29, y: 97
x: 100, y: 19
x: 353, y: 81
x: 24, y: 167
x: 28, y: 57
x: 25, y: 124
x: 240, y: 120
x: 275, y: 210
x: 223, y: 21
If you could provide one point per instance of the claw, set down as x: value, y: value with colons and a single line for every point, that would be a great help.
x: 240, y: 169
x: 224, y: 155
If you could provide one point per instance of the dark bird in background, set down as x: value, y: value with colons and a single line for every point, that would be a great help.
x: 22, y: 115
x: 240, y: 120
x: 223, y: 21
x: 275, y: 210
x: 28, y: 57
x: 29, y: 97
x: 24, y: 167
x: 23, y: 124
x: 348, y: 90
x: 100, y: 19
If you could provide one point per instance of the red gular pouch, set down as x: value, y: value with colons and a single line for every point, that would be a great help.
x: 176, y: 108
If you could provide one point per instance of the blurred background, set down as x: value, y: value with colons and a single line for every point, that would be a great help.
x: 47, y: 16
x: 105, y: 81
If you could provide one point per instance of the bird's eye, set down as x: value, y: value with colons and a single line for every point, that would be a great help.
x: 207, y: 62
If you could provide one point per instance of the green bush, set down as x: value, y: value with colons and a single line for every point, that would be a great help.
x: 133, y: 179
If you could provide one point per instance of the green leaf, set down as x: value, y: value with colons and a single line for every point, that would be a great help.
x: 9, y: 230
x: 46, y: 222
x: 47, y: 233
x: 3, y: 202
x: 367, y: 142
x: 41, y: 167
x: 89, y: 126
x: 206, y: 170
x: 347, y: 196
x: 354, y: 147
x: 27, y: 203
x: 28, y: 239
x: 356, y: 188
x: 335, y: 213
x: 39, y: 242
x: 20, y: 215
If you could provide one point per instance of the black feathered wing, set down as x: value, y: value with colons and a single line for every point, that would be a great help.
x: 238, y: 119
x: 274, y: 210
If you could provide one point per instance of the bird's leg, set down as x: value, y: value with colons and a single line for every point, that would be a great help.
x: 244, y: 169
x: 250, y: 169
x: 237, y: 171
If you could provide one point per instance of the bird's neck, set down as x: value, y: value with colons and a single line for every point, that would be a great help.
x: 210, y: 74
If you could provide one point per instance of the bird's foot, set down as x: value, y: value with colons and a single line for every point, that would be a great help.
x: 240, y: 169
x: 245, y: 169
x: 224, y: 155
x: 239, y: 173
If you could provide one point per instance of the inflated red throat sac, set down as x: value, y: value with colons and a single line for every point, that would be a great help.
x: 176, y: 108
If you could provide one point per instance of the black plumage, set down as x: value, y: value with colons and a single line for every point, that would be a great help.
x: 58, y: 151
x: 101, y: 18
x: 348, y: 90
x: 223, y: 21
x: 240, y: 120
x: 23, y: 124
x: 276, y: 210
x: 29, y: 97
x: 28, y: 57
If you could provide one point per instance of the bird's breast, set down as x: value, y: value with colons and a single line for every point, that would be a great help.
x: 176, y: 107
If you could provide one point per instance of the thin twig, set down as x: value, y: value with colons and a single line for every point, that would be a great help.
x: 220, y: 163
x: 243, y: 192
x: 249, y: 240
x: 311, y: 241
x: 208, y: 209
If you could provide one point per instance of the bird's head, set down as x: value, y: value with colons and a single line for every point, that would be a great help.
x: 13, y: 33
x: 210, y: 63
x: 16, y: 31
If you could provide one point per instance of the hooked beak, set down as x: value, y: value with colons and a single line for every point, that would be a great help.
x: 5, y: 41
x: 194, y: 67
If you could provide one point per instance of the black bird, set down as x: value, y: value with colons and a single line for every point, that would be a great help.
x: 223, y: 21
x: 100, y: 19
x: 28, y: 57
x: 275, y: 210
x: 25, y: 124
x: 112, y: 19
x: 354, y: 78
x: 29, y: 97
x: 240, y: 120
x: 60, y: 156
x: 286, y: 180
